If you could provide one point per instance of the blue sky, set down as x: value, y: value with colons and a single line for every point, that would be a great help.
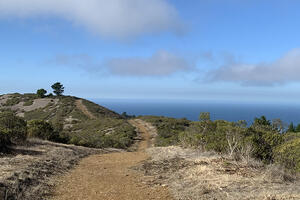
x: 159, y: 49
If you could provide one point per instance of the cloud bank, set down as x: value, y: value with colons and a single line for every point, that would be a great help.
x: 285, y: 69
x: 109, y: 18
x: 161, y: 63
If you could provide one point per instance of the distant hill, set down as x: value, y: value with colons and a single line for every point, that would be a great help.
x: 32, y: 107
x: 79, y: 121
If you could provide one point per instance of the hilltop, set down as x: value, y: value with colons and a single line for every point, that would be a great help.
x: 31, y: 107
x: 76, y: 120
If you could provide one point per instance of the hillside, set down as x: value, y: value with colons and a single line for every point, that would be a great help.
x: 49, y: 108
x: 77, y: 121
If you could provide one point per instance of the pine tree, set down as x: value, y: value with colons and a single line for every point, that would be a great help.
x: 297, y: 128
x: 58, y: 89
x: 291, y: 127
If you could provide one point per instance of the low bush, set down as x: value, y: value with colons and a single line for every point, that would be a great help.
x: 168, y: 129
x: 220, y: 136
x: 37, y: 114
x: 288, y: 154
x: 228, y: 137
x: 41, y: 129
x: 233, y: 138
x: 13, y: 129
x: 13, y: 101
x: 103, y: 133
x: 28, y: 103
x: 264, y: 142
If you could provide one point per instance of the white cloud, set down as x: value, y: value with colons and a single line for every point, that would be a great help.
x: 285, y: 69
x: 109, y: 18
x: 161, y: 63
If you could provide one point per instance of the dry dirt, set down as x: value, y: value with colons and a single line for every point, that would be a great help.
x: 110, y: 177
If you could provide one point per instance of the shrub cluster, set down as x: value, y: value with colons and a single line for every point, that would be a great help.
x: 168, y: 129
x: 102, y: 133
x: 288, y: 153
x: 12, y: 129
x: 263, y: 139
x: 12, y: 101
x: 42, y: 129
x: 107, y: 130
x: 91, y: 133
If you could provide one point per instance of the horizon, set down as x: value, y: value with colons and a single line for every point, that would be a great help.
x: 161, y: 49
x: 218, y: 110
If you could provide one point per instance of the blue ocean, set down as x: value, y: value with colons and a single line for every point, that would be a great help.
x: 191, y: 109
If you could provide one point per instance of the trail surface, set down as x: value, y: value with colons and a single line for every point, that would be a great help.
x: 83, y: 109
x: 109, y: 177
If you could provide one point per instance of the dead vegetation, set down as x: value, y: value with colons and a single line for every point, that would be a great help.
x: 192, y: 174
x: 28, y: 171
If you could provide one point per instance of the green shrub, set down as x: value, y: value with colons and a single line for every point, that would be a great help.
x: 168, y: 129
x: 41, y: 93
x: 290, y: 136
x: 37, y: 114
x: 264, y: 142
x: 223, y: 136
x: 41, y: 129
x: 28, y: 103
x: 12, y: 129
x: 13, y: 101
x: 102, y: 133
x: 288, y: 154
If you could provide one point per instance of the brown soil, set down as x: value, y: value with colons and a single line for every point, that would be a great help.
x: 83, y: 109
x: 110, y: 177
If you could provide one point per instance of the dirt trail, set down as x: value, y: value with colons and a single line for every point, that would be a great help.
x: 109, y: 177
x: 83, y: 109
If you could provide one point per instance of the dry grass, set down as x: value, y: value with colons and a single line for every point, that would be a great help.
x: 37, y: 103
x: 28, y: 171
x: 21, y: 107
x: 4, y: 98
x: 192, y: 174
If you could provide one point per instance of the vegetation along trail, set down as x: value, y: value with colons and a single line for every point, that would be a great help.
x: 109, y: 177
x: 83, y: 109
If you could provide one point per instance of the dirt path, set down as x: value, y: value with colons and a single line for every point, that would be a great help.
x: 109, y: 177
x: 83, y: 109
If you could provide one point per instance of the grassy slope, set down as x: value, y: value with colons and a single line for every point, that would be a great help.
x: 168, y: 129
x: 108, y: 129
